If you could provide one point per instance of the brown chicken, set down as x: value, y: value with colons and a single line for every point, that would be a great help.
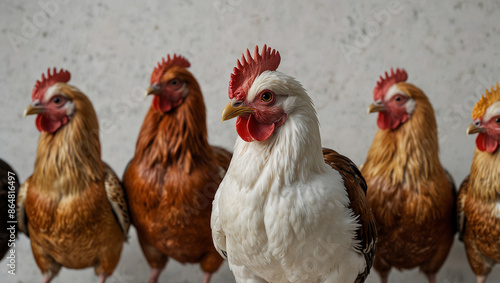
x: 479, y: 196
x: 73, y: 207
x: 173, y: 177
x: 411, y: 195
x: 9, y: 187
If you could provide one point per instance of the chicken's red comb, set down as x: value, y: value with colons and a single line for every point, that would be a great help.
x: 248, y: 69
x: 175, y: 60
x: 41, y: 86
x: 385, y: 83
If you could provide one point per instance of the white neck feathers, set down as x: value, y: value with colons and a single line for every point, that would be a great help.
x: 292, y: 154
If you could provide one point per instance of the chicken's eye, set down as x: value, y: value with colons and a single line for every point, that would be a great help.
x: 497, y: 120
x: 400, y: 99
x: 174, y: 84
x: 266, y: 96
x: 58, y: 101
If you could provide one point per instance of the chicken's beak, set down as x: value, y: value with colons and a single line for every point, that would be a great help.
x: 474, y: 129
x: 231, y: 112
x: 34, y: 108
x: 153, y: 89
x: 375, y: 107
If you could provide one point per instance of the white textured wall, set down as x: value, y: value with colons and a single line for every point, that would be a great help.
x: 450, y: 49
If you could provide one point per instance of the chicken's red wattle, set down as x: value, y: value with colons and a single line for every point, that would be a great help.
x: 249, y: 129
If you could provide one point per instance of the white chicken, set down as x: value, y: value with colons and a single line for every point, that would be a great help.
x: 287, y: 210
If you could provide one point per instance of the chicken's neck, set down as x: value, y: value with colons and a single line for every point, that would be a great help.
x: 69, y: 160
x: 485, y: 175
x: 408, y: 154
x: 177, y: 138
x: 292, y: 154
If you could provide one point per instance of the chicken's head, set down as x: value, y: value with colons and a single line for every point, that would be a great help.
x: 486, y: 116
x: 261, y: 97
x: 52, y: 101
x: 394, y: 99
x: 169, y: 83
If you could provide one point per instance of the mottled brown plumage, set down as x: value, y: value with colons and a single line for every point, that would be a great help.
x: 9, y: 187
x: 410, y: 193
x: 479, y: 223
x: 64, y: 206
x: 173, y: 177
x: 479, y: 195
x: 355, y: 184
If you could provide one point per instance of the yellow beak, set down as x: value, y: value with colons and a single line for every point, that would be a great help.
x: 153, y: 89
x: 474, y: 130
x: 32, y: 110
x: 375, y: 107
x: 231, y: 112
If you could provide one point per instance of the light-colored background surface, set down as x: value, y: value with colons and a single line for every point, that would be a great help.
x: 450, y: 49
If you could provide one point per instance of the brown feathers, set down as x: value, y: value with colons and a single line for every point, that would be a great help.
x: 76, y: 146
x: 73, y: 206
x: 179, y: 136
x: 479, y: 214
x: 409, y: 192
x: 172, y: 180
x: 479, y: 196
x: 484, y: 180
x: 410, y: 154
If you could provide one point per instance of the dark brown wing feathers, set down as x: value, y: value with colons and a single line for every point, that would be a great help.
x: 461, y: 221
x: 356, y: 189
